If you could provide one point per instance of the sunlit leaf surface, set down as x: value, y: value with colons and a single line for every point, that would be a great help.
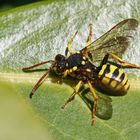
x: 37, y: 32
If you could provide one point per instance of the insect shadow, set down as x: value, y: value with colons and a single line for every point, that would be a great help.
x: 104, y: 108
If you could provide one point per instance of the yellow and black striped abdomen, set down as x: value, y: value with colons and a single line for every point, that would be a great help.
x: 112, y: 80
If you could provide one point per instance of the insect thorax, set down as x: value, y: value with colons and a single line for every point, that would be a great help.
x: 80, y: 67
x: 77, y: 59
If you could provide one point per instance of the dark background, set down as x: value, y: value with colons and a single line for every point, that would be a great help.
x: 15, y: 2
x: 9, y: 4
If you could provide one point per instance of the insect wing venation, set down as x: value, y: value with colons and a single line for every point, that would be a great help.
x: 116, y: 40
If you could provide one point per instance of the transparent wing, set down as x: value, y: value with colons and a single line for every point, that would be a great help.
x: 104, y: 106
x: 116, y: 40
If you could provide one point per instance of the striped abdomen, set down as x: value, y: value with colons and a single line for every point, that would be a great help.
x: 112, y: 80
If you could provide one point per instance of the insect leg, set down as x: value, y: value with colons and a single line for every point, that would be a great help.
x: 27, y: 69
x: 122, y: 62
x: 89, y: 36
x: 38, y: 84
x: 68, y: 48
x: 85, y: 50
x: 95, y: 97
x: 77, y: 87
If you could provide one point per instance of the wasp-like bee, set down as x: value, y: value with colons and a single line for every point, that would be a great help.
x: 107, y: 78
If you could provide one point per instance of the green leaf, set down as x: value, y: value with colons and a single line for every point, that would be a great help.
x: 16, y: 119
x: 37, y: 32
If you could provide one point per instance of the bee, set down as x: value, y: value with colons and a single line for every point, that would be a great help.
x: 108, y: 77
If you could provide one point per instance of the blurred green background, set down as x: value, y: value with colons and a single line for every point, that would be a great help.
x: 17, y: 120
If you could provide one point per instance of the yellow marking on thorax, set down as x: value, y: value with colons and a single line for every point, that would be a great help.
x: 83, y: 62
x: 78, y: 52
x: 88, y: 70
x: 68, y: 71
x: 74, y: 68
x: 84, y: 57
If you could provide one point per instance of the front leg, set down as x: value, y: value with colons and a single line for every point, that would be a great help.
x: 38, y: 84
x: 76, y: 90
x: 68, y: 48
x: 65, y: 73
x: 86, y: 51
x: 89, y: 37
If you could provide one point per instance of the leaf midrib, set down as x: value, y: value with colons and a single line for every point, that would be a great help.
x: 33, y: 77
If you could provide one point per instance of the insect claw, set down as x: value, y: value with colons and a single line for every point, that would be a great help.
x: 31, y: 94
x: 63, y: 107
x: 92, y: 123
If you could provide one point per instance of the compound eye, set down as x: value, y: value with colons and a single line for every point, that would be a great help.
x: 59, y: 57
